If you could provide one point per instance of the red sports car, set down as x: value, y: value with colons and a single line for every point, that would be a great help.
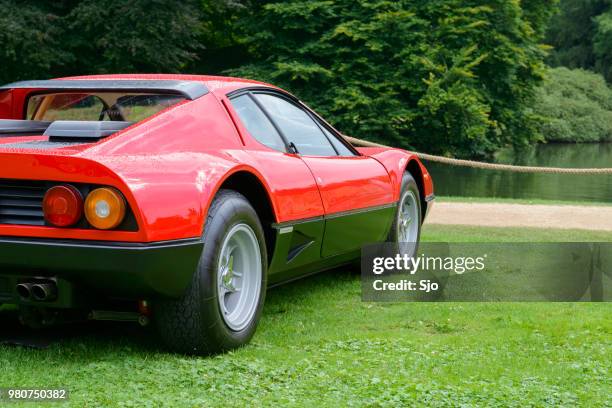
x: 181, y: 198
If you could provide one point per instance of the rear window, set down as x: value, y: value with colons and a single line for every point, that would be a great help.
x: 99, y: 106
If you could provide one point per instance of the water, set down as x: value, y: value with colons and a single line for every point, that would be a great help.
x: 469, y: 182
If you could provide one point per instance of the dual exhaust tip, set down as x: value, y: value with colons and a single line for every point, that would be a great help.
x: 40, y: 292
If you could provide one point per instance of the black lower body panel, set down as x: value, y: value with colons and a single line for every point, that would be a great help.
x: 351, y: 230
x: 306, y: 246
x: 115, y: 269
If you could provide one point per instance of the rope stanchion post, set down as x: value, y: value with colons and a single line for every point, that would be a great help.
x: 489, y: 166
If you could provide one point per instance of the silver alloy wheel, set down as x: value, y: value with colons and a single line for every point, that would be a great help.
x: 408, y: 223
x: 239, y: 276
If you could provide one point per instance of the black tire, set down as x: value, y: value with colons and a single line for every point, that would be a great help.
x: 408, y: 184
x: 194, y: 324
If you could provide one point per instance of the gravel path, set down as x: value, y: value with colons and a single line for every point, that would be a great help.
x: 522, y: 215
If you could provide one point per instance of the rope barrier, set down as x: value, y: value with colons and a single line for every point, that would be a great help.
x: 488, y: 166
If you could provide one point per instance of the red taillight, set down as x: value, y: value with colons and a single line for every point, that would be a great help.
x: 63, y: 206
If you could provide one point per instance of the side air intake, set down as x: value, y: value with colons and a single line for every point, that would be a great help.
x: 21, y: 202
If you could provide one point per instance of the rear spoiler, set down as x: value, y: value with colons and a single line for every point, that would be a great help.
x: 189, y: 89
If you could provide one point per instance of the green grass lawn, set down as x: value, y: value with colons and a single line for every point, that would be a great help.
x: 319, y: 345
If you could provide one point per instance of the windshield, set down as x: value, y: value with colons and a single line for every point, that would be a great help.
x: 98, y: 106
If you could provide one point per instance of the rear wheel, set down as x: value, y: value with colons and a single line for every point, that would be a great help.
x: 406, y: 228
x: 221, y: 308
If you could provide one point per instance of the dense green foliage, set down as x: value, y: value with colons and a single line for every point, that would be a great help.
x: 133, y: 35
x: 602, y: 43
x: 30, y: 42
x: 574, y: 106
x: 41, y: 39
x: 453, y: 77
x: 581, y: 35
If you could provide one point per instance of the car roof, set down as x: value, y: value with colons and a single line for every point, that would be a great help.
x: 216, y: 84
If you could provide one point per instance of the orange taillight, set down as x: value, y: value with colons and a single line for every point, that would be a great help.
x: 105, y: 208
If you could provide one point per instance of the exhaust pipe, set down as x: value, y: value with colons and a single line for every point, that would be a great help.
x: 44, y: 292
x: 24, y: 290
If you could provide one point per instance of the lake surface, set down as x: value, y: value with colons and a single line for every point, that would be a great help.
x: 469, y: 182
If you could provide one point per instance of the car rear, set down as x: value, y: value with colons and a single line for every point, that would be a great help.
x: 71, y: 233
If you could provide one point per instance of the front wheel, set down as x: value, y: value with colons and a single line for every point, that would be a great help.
x: 406, y: 229
x: 222, y: 306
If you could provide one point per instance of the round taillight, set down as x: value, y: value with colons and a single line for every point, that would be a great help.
x: 63, y: 206
x: 105, y: 208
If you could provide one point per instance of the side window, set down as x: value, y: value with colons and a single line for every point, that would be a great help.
x: 297, y: 126
x: 257, y: 123
x: 340, y: 147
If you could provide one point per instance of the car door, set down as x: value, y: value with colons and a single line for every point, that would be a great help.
x: 300, y: 214
x: 356, y: 190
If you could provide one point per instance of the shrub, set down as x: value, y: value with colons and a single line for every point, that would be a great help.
x: 574, y: 106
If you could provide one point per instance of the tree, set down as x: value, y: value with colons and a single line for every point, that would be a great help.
x: 133, y: 35
x: 602, y: 44
x: 581, y: 34
x: 46, y: 39
x: 30, y: 41
x: 447, y: 76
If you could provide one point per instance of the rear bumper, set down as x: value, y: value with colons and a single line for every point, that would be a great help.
x: 130, y: 270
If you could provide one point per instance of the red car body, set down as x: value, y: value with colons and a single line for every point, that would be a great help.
x: 169, y: 167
